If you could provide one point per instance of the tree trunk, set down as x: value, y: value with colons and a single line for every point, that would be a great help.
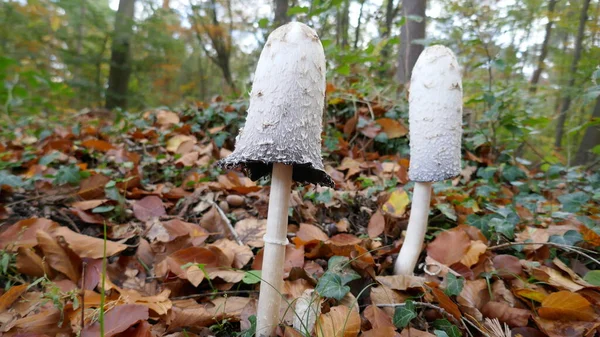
x: 411, y: 31
x: 357, y: 31
x: 342, y: 24
x: 591, y: 138
x: 281, y: 8
x: 120, y: 60
x: 566, y: 103
x: 544, y: 52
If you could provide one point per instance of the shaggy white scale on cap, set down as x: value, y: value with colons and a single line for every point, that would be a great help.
x: 285, y: 115
x: 435, y: 108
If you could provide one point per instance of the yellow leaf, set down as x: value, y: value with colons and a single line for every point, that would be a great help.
x: 565, y: 305
x: 396, y: 204
x: 531, y: 294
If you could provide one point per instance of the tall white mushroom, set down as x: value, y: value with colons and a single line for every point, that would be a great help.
x: 435, y: 117
x: 282, y: 135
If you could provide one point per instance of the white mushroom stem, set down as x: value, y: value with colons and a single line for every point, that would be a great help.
x: 415, y: 233
x: 275, y: 239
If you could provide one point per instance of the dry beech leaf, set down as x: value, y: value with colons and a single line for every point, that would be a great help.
x: 309, y: 233
x: 149, y: 207
x: 117, y: 320
x: 86, y: 246
x: 385, y: 295
x: 57, y: 257
x: 251, y: 231
x: 508, y: 266
x: 340, y: 321
x: 44, y: 322
x: 9, y: 297
x: 93, y: 187
x: 23, y: 233
x: 30, y: 263
x: 555, y: 278
x: 514, y: 317
x: 473, y: 296
x: 446, y: 303
x: 97, y: 144
x: 376, y: 225
x: 565, y: 305
x: 530, y: 294
x: 392, y: 128
x: 566, y: 328
x: 378, y: 318
x: 387, y: 331
x: 475, y: 250
x: 166, y: 118
x: 532, y: 234
x: 411, y: 332
x: 185, y: 313
x: 401, y: 282
x: 449, y: 247
x: 242, y: 254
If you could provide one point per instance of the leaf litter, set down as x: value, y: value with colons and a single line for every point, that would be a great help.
x: 184, y: 239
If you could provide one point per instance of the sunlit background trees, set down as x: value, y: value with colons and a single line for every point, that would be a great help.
x: 530, y: 66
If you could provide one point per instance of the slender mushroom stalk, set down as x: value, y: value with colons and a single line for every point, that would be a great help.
x: 282, y: 135
x: 435, y: 117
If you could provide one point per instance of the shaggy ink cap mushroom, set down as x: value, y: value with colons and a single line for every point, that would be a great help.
x: 435, y: 108
x: 285, y: 115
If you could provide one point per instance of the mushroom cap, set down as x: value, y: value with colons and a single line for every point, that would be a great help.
x: 435, y: 116
x: 285, y: 115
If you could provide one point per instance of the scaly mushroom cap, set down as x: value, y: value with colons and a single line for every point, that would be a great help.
x: 435, y: 116
x: 285, y: 115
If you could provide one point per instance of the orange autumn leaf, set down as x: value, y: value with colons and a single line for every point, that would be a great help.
x: 9, y: 297
x: 392, y: 127
x: 446, y: 303
x: 566, y: 305
x: 97, y: 144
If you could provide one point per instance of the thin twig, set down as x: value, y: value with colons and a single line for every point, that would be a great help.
x: 69, y: 220
x: 83, y: 267
x: 229, y: 225
x: 220, y: 293
x: 557, y: 245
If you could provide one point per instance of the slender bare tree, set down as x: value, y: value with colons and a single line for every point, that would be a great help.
x: 413, y: 29
x: 544, y: 52
x: 120, y: 60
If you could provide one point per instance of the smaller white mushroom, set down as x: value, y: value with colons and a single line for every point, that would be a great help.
x: 435, y: 117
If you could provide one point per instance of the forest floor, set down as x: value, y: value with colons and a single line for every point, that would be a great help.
x: 511, y: 247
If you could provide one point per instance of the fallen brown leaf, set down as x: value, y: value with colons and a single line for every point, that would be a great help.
x: 117, y: 320
x: 566, y: 305
x: 86, y: 246
x: 340, y: 321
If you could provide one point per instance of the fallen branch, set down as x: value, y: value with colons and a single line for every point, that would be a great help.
x: 229, y: 225
x: 557, y: 245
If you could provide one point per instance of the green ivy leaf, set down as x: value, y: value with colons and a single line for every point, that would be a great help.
x: 447, y: 328
x: 592, y: 277
x: 10, y: 180
x: 252, y: 277
x: 570, y: 238
x: 330, y: 285
x: 67, y: 175
x: 404, y: 314
x: 340, y: 265
x: 573, y: 202
x: 454, y: 285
